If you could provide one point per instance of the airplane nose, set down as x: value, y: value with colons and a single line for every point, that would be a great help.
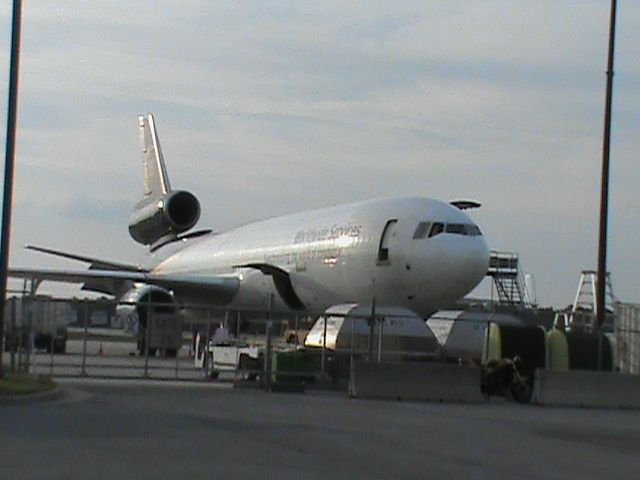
x: 482, y: 259
x: 443, y: 270
x: 473, y: 264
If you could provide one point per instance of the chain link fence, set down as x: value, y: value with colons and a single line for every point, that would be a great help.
x: 160, y: 340
x: 108, y: 339
x: 627, y: 334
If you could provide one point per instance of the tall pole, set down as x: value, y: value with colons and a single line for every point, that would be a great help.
x: 12, y: 113
x: 601, y: 278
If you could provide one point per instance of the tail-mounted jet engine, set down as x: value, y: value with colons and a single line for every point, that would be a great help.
x: 166, y: 217
x: 144, y: 303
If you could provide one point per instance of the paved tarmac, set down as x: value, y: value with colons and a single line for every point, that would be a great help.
x: 121, y: 430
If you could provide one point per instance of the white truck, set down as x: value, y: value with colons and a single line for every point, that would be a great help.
x: 223, y: 354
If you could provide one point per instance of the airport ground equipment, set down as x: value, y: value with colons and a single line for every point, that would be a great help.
x: 395, y: 333
x: 144, y: 305
x: 582, y: 315
x: 461, y: 333
x: 509, y: 281
x: 565, y: 350
x: 591, y: 351
x: 218, y: 354
x: 291, y: 370
x: 38, y: 319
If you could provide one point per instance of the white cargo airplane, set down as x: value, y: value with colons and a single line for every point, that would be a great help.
x: 412, y: 252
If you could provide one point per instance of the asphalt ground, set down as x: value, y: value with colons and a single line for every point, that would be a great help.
x: 144, y: 430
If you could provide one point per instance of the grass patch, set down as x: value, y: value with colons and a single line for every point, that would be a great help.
x: 22, y: 384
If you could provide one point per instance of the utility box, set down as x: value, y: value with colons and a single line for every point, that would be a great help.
x: 166, y: 331
x: 290, y: 366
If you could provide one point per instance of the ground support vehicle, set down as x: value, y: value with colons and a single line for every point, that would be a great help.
x: 37, y: 321
x: 214, y: 358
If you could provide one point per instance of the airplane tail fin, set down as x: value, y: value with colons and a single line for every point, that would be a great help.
x: 155, y: 181
x: 162, y: 214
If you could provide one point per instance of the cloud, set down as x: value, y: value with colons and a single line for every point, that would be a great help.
x: 266, y: 109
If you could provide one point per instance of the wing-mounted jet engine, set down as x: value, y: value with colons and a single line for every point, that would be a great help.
x: 145, y: 305
x: 162, y: 214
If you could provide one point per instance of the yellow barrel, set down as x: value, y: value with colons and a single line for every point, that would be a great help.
x: 492, y: 345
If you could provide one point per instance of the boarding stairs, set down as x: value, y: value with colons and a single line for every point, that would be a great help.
x: 508, y: 281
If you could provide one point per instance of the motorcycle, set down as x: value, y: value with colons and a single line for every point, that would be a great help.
x: 505, y: 378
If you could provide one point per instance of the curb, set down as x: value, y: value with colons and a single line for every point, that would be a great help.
x: 55, y: 394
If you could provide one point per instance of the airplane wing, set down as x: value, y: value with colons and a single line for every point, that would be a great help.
x: 114, y: 282
x: 282, y: 282
x: 96, y: 263
x: 101, y: 285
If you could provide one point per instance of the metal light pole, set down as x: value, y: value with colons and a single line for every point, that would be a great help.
x: 601, y: 278
x: 12, y: 113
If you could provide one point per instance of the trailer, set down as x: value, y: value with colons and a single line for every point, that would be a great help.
x: 164, y: 334
x: 38, y: 319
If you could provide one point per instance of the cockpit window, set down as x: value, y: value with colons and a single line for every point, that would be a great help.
x: 436, y: 229
x: 421, y: 230
x: 473, y: 230
x: 456, y: 228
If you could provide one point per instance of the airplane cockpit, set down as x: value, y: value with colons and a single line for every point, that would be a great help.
x: 431, y: 229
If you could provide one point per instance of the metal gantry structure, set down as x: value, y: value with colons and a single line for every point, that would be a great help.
x: 508, y: 280
x: 586, y: 305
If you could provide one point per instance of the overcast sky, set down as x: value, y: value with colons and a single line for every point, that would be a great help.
x: 269, y: 109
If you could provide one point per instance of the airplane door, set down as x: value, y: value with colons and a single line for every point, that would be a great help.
x: 388, y: 263
x: 385, y: 248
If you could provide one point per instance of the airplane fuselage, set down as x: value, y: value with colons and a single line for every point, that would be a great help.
x: 349, y: 253
x: 411, y: 252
